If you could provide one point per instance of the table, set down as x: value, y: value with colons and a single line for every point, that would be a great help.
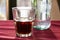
x: 7, y: 32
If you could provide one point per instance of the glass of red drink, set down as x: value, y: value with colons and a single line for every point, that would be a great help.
x: 23, y: 18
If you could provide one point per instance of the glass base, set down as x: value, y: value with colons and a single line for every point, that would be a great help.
x: 42, y: 27
x: 23, y: 35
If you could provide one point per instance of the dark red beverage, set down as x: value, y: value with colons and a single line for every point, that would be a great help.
x: 23, y: 27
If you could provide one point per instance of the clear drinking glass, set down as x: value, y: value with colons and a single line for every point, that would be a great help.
x: 23, y: 18
x: 42, y: 11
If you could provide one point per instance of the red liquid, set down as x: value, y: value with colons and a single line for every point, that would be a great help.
x: 23, y: 27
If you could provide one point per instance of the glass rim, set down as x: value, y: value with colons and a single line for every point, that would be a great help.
x: 22, y: 8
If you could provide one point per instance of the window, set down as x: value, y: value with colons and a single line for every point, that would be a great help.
x: 3, y: 9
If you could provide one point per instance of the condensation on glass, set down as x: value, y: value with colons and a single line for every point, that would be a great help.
x: 43, y: 10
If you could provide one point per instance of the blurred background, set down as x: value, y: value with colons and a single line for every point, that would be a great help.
x: 55, y: 11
